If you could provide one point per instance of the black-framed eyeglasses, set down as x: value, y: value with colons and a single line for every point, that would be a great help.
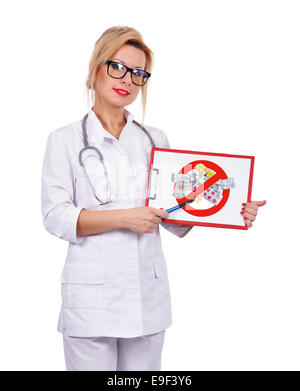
x: 117, y: 70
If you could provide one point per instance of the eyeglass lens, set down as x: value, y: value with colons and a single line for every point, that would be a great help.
x: 118, y: 70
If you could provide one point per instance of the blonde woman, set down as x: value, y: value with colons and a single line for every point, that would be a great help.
x: 114, y: 284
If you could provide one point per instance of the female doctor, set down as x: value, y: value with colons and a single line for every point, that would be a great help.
x: 114, y: 285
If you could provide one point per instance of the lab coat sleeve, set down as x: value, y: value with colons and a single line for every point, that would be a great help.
x: 59, y: 212
x: 177, y: 229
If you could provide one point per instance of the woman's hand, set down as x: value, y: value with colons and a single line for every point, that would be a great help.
x: 143, y: 219
x: 249, y: 211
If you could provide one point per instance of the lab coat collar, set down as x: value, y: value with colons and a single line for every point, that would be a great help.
x: 95, y: 131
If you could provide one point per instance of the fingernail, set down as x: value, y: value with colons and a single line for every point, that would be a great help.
x: 244, y: 204
x: 243, y: 208
x: 242, y: 213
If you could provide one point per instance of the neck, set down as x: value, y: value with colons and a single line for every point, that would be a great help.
x: 112, y: 118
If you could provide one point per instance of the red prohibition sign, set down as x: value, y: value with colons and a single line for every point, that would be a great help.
x: 219, y: 174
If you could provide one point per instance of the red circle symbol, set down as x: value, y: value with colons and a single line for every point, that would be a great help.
x: 219, y: 174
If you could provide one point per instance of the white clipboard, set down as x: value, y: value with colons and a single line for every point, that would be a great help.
x: 218, y: 184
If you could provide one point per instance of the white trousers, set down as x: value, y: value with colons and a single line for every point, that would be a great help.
x: 113, y: 354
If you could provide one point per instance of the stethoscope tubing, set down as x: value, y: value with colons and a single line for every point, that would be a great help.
x: 87, y: 146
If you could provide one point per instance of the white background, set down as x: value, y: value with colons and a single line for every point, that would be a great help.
x: 225, y: 79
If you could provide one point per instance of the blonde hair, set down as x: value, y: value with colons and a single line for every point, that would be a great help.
x: 110, y: 41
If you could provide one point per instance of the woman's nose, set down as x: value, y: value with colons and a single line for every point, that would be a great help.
x: 127, y: 78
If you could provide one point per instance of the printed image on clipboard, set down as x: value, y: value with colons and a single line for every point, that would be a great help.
x: 201, y: 187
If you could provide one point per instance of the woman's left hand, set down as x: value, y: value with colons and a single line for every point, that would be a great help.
x: 249, y: 211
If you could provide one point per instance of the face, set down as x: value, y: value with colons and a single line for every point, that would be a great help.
x: 105, y: 85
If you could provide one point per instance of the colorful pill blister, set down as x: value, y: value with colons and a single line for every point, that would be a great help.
x: 186, y: 183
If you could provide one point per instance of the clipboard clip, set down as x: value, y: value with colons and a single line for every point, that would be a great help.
x: 153, y: 179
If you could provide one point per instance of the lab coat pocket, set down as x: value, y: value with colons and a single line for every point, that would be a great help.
x: 82, y: 285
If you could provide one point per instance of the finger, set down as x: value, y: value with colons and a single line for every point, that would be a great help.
x: 161, y: 213
x: 258, y: 203
x: 249, y: 205
x: 156, y: 220
x: 249, y: 216
x: 248, y: 223
x: 251, y: 210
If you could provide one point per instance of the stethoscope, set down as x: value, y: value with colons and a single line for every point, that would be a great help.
x: 87, y: 146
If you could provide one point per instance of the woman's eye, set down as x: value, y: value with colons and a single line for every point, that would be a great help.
x: 117, y: 66
x: 138, y: 72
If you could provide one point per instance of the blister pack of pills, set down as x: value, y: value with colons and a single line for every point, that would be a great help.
x: 187, y: 183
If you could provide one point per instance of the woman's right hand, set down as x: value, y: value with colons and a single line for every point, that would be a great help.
x: 144, y: 219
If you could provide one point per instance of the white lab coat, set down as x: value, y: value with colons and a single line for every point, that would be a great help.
x: 113, y: 283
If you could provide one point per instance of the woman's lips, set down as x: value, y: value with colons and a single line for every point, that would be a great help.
x: 120, y: 92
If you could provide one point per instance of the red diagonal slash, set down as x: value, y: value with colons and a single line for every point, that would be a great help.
x: 204, y: 186
x: 219, y: 174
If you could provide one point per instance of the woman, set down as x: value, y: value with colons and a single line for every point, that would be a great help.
x: 115, y: 291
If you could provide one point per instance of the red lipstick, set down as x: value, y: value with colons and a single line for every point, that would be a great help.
x: 121, y: 92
